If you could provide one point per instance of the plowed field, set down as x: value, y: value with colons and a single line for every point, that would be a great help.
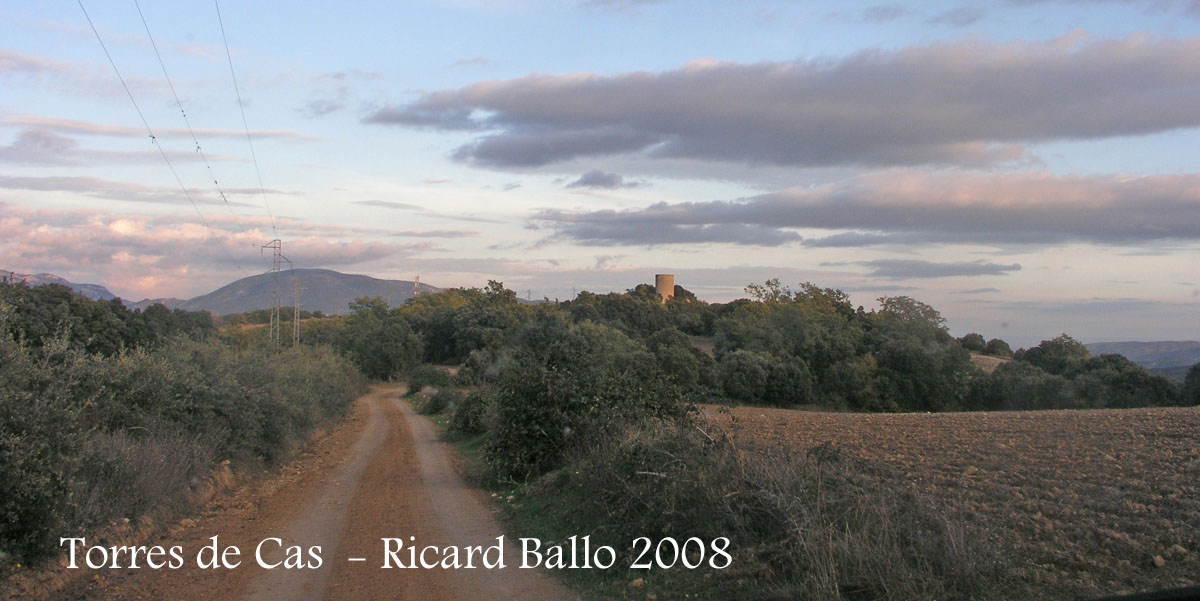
x: 1081, y: 502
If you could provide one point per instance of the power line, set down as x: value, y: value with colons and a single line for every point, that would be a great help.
x: 153, y: 138
x: 245, y: 125
x: 182, y: 112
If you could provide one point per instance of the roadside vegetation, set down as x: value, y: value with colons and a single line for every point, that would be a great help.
x: 582, y: 414
x: 109, y: 415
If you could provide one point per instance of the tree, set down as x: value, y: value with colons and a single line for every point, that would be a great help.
x: 973, y: 342
x: 910, y: 310
x: 744, y: 375
x: 1190, y: 395
x: 380, y: 340
x: 1058, y: 356
x: 998, y: 348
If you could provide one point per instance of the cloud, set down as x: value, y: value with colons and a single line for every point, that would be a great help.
x: 477, y: 61
x: 979, y: 291
x: 957, y: 17
x: 602, y: 179
x: 38, y: 146
x: 16, y: 63
x: 653, y: 233
x: 389, y: 204
x: 884, y: 13
x: 940, y: 104
x: 334, y: 92
x: 42, y: 147
x: 405, y: 206
x: 534, y: 149
x: 73, y: 126
x: 916, y: 207
x: 127, y: 191
x: 144, y: 256
x: 905, y: 269
x: 436, y: 234
x: 1189, y: 7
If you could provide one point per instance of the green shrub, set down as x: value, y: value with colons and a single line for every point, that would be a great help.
x: 87, y: 439
x: 426, y: 375
x: 744, y: 375
x: 998, y: 348
x: 443, y: 399
x: 1019, y: 386
x: 568, y: 389
x: 471, y: 414
x: 973, y: 342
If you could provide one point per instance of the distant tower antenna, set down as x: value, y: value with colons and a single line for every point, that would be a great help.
x: 417, y: 286
x: 277, y: 260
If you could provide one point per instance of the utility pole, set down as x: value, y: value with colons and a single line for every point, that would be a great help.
x: 277, y: 260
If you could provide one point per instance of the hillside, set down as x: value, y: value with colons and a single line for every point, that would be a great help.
x: 170, y: 303
x: 92, y: 291
x: 321, y: 290
x: 1155, y: 355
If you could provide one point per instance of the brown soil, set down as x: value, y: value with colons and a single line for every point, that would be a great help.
x: 381, y: 474
x: 1084, y: 501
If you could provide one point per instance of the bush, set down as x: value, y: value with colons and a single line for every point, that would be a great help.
x: 380, y: 340
x: 426, y: 375
x: 443, y: 399
x: 804, y: 526
x: 471, y: 415
x: 1019, y: 386
x: 88, y: 439
x: 744, y: 375
x: 973, y: 342
x: 998, y: 348
x: 580, y: 382
x: 1112, y: 381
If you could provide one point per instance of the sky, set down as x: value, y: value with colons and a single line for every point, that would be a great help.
x: 1027, y: 167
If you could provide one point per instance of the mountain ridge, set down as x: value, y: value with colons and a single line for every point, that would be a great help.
x: 1160, y: 354
x: 325, y: 290
x: 92, y: 291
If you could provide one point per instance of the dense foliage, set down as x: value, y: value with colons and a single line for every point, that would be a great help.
x: 108, y: 414
x: 559, y: 375
x: 40, y: 313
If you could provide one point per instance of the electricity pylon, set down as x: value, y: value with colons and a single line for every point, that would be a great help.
x: 277, y: 260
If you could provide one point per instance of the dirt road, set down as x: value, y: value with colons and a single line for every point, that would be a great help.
x: 381, y: 474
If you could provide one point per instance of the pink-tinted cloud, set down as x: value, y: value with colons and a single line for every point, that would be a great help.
x: 74, y: 126
x: 138, y: 256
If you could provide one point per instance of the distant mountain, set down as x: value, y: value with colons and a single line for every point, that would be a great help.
x: 92, y: 291
x: 1154, y: 355
x: 320, y: 290
x: 170, y: 303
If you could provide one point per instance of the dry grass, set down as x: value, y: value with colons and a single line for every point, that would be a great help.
x: 817, y: 525
x: 988, y: 363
